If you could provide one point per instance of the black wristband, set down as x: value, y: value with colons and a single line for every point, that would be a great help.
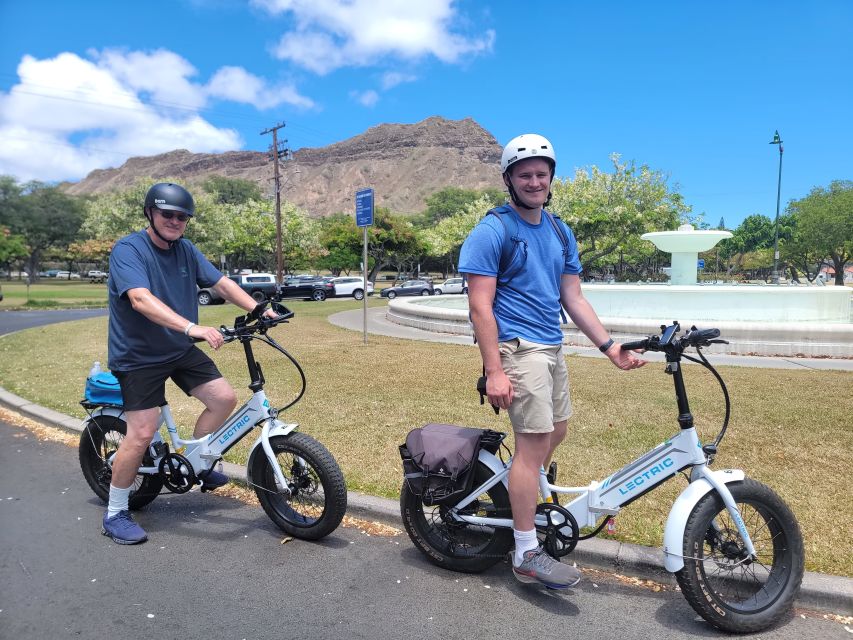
x: 603, y: 348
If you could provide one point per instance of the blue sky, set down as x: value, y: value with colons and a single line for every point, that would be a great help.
x: 693, y: 89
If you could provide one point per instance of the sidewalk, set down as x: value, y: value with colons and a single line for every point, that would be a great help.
x: 822, y: 592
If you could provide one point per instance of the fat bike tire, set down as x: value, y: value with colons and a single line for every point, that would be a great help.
x: 455, y: 545
x: 730, y: 594
x: 100, y: 440
x: 317, y: 498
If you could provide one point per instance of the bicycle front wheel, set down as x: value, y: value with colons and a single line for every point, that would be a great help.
x: 724, y: 586
x: 316, y: 497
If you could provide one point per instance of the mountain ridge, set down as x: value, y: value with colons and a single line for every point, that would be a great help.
x: 404, y: 163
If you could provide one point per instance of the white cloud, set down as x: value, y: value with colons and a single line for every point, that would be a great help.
x: 330, y: 34
x: 366, y: 98
x: 393, y: 78
x: 69, y: 115
x: 238, y: 85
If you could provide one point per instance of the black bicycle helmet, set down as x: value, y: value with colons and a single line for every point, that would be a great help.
x: 169, y: 197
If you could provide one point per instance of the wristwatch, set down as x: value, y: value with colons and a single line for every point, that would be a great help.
x: 603, y: 348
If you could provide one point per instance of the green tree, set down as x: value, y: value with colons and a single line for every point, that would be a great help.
x: 342, y: 243
x: 445, y: 239
x: 47, y: 218
x: 824, y: 222
x: 226, y: 190
x: 12, y: 247
x: 609, y: 211
x: 392, y: 239
x: 452, y: 200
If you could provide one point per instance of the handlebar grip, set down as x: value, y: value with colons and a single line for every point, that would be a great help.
x: 635, y: 345
x: 698, y: 336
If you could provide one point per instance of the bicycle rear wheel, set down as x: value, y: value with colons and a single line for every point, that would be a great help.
x: 457, y: 545
x: 316, y: 499
x: 99, y: 441
x: 730, y: 591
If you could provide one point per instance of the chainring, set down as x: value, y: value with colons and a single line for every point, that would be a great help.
x: 177, y: 473
x: 561, y: 533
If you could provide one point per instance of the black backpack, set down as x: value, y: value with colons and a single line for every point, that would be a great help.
x: 512, y: 243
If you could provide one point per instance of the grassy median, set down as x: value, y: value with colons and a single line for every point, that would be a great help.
x: 789, y: 429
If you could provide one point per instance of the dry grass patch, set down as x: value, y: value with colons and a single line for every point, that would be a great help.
x: 789, y: 429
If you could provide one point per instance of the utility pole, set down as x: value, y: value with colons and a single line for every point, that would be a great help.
x: 277, y: 151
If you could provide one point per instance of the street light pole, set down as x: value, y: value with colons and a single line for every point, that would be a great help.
x: 775, y: 276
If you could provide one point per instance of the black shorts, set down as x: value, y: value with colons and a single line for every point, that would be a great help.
x: 145, y: 388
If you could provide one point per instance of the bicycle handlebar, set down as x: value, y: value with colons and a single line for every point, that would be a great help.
x: 255, y: 321
x: 668, y: 340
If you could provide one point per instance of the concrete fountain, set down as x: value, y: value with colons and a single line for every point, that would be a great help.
x: 780, y: 320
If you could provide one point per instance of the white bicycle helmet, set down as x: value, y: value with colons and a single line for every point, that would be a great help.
x: 527, y: 145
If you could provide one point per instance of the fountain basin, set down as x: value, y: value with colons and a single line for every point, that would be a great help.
x: 760, y: 320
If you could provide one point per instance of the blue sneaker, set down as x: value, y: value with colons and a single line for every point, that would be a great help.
x: 122, y: 529
x: 212, y: 479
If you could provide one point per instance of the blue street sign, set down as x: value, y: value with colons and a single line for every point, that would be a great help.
x: 701, y: 264
x: 364, y: 208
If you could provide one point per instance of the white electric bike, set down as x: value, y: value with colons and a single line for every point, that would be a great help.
x: 734, y: 546
x: 298, y: 482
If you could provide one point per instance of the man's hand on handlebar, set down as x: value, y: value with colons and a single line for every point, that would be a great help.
x: 212, y: 336
x: 623, y: 359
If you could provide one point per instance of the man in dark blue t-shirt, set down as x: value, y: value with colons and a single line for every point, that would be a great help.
x: 154, y: 278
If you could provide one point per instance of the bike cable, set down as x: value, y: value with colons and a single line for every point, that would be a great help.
x: 704, y: 362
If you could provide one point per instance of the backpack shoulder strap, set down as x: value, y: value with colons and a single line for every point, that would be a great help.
x: 510, y: 226
x: 559, y: 230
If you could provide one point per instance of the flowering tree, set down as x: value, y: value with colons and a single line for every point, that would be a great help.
x: 609, y: 211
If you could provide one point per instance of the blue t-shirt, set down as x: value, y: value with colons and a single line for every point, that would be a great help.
x: 172, y: 275
x: 528, y: 306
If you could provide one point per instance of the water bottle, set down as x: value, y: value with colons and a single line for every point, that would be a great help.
x: 95, y: 370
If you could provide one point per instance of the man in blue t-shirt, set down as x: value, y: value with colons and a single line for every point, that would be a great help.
x: 516, y: 318
x: 154, y: 278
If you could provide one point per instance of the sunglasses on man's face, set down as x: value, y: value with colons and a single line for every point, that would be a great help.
x: 168, y: 215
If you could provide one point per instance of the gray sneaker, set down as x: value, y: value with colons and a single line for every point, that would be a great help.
x: 538, y: 566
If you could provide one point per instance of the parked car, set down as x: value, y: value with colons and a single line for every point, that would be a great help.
x: 51, y: 273
x: 307, y: 288
x: 408, y: 288
x: 67, y: 275
x: 451, y: 285
x: 97, y: 276
x: 351, y: 286
x: 262, y: 286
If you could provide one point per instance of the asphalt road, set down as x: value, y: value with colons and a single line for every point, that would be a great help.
x: 17, y: 320
x: 216, y: 568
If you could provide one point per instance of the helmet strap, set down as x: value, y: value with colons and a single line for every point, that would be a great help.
x: 516, y: 199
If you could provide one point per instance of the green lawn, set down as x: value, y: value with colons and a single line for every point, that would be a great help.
x: 50, y: 293
x: 789, y: 428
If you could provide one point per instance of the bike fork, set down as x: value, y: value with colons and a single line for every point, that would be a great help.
x: 280, y: 481
x: 731, y: 507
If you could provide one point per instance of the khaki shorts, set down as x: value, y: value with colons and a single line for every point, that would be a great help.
x: 540, y: 382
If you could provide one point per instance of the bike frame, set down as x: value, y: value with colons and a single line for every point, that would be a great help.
x: 202, y: 453
x: 607, y: 497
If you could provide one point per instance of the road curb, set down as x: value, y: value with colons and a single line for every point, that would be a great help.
x: 819, y: 591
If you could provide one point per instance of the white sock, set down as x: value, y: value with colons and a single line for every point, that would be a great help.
x: 118, y: 501
x: 524, y: 541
